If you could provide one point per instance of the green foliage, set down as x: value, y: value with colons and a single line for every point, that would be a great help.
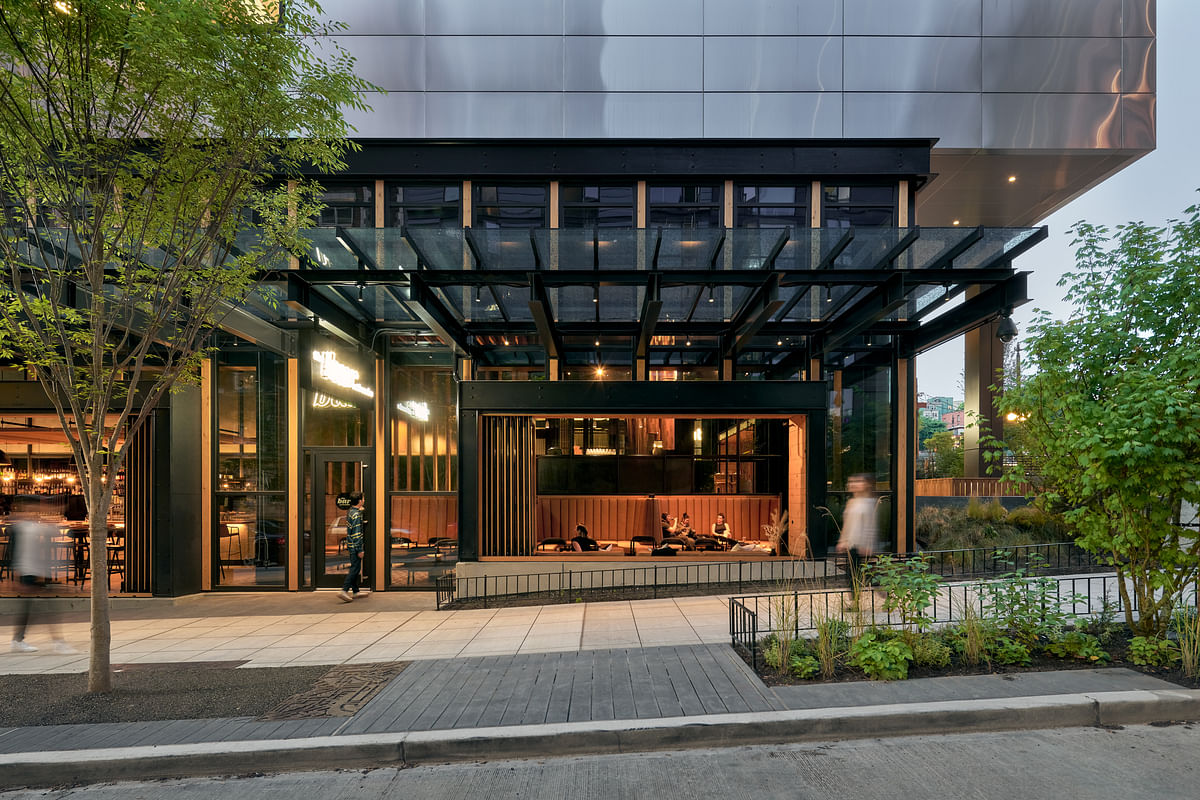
x: 1005, y: 650
x: 880, y: 658
x: 947, y: 452
x: 1034, y: 519
x: 1079, y: 646
x: 948, y: 528
x: 930, y: 651
x: 1186, y: 624
x: 910, y: 588
x: 927, y: 429
x: 1027, y: 607
x: 1113, y: 406
x: 1150, y: 651
x: 804, y: 666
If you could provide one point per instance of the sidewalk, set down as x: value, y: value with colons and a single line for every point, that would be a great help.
x: 520, y: 682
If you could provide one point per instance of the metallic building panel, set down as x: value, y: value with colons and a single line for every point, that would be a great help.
x: 913, y: 17
x: 393, y: 63
x: 634, y: 17
x: 396, y: 115
x: 772, y: 17
x: 373, y: 17
x: 494, y: 115
x: 633, y: 115
x: 479, y: 17
x: 912, y: 64
x: 634, y: 64
x: 494, y: 63
x: 773, y: 64
x: 1138, y: 71
x: 956, y: 120
x: 1042, y: 64
x: 1052, y: 18
x: 1138, y: 17
x: 737, y: 115
x: 1052, y: 121
x: 1138, y: 117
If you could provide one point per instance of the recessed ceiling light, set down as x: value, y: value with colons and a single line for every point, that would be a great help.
x: 1012, y: 178
x: 954, y: 223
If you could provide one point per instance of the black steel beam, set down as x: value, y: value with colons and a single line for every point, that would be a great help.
x: 543, y: 317
x: 777, y: 248
x: 946, y: 259
x: 425, y: 306
x: 303, y: 297
x: 897, y: 249
x: 651, y: 307
x: 878, y: 303
x: 827, y: 260
x: 972, y: 313
x: 1006, y: 256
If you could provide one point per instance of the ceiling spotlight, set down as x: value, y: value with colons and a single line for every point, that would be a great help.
x: 1012, y: 178
x: 600, y: 371
x: 710, y: 295
x: 689, y: 341
x: 779, y: 342
x: 954, y: 223
x: 828, y: 294
x: 596, y: 295
x: 476, y: 294
x: 597, y: 343
x: 361, y: 286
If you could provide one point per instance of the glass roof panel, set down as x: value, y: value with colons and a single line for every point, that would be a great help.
x: 994, y: 242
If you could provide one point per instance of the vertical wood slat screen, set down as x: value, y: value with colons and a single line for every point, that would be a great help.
x: 139, y: 509
x: 507, y: 481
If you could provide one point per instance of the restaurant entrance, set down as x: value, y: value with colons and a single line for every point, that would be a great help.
x: 336, y: 474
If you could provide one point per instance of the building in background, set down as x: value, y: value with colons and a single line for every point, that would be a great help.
x: 599, y: 261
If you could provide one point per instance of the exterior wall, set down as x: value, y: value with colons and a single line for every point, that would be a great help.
x: 994, y: 74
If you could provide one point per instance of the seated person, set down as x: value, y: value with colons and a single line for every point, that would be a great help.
x: 669, y: 526
x: 685, y: 530
x: 582, y: 542
x: 721, y: 529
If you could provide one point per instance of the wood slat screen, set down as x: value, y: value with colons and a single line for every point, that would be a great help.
x: 507, y: 509
x: 139, y: 509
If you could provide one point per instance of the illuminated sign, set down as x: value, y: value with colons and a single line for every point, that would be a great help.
x: 328, y: 368
x: 320, y: 400
x: 415, y: 409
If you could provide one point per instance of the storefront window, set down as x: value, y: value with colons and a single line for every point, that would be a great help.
x: 250, y: 541
x: 859, y: 439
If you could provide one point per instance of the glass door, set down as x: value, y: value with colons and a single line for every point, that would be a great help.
x: 336, y: 477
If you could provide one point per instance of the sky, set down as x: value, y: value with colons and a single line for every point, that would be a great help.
x: 1153, y: 189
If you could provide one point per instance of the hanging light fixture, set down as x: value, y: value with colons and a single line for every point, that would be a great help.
x: 476, y: 294
x: 689, y: 340
x: 710, y: 295
x: 828, y: 293
x: 361, y: 288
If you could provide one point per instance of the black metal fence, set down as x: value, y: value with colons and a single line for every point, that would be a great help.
x: 751, y: 618
x: 737, y: 576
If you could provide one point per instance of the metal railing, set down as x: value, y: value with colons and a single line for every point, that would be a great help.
x: 768, y: 573
x: 753, y: 617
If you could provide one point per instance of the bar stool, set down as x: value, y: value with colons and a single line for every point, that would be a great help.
x: 227, y: 533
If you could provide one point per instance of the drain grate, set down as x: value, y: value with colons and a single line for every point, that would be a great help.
x: 341, y: 692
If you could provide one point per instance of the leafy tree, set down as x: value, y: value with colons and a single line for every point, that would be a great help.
x: 947, y: 452
x: 134, y: 136
x: 928, y: 428
x: 1112, y: 410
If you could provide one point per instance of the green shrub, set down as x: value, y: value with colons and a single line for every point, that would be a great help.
x: 804, y: 667
x: 945, y: 528
x: 1186, y: 624
x: 881, y: 658
x: 1025, y: 606
x: 1079, y: 646
x: 910, y: 588
x: 1151, y: 651
x: 929, y: 651
x: 1009, y: 651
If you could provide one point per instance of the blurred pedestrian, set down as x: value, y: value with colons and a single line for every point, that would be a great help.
x: 33, y: 541
x: 859, y: 533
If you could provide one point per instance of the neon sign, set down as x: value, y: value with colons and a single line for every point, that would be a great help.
x: 415, y: 409
x: 325, y: 401
x: 339, y: 374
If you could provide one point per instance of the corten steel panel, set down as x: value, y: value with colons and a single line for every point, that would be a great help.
x: 494, y: 63
x: 633, y: 115
x: 1052, y: 17
x: 584, y: 397
x: 475, y: 17
x: 634, y: 17
x: 1044, y: 64
x: 773, y: 64
x: 374, y: 17
x: 776, y: 114
x: 955, y: 119
x: 393, y: 63
x: 634, y: 63
x: 1052, y: 121
x: 912, y: 64
x: 496, y: 115
x: 1138, y: 66
x: 913, y: 17
x: 1137, y: 117
x: 772, y: 17
x: 396, y: 115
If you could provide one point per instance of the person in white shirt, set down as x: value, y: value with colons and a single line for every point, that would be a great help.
x: 859, y: 535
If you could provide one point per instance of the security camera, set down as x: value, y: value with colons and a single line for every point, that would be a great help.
x: 1007, y: 331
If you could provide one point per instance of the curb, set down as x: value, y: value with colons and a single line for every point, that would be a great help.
x: 70, y: 767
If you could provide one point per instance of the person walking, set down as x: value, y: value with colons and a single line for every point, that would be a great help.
x: 354, y: 546
x: 859, y: 534
x: 31, y: 564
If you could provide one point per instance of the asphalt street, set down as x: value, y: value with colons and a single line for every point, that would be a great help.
x: 1093, y: 763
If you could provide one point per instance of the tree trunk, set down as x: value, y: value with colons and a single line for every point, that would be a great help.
x: 99, y: 665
